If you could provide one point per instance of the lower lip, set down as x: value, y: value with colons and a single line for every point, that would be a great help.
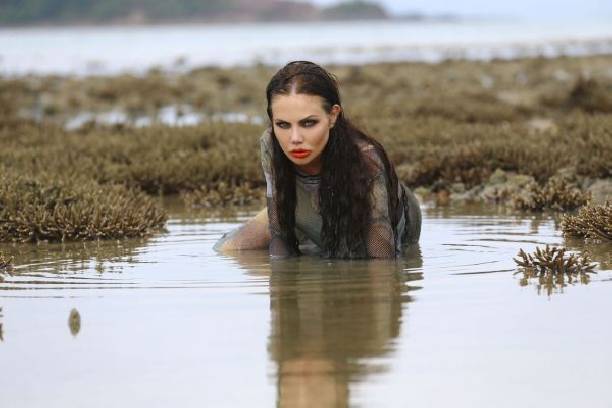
x: 301, y: 154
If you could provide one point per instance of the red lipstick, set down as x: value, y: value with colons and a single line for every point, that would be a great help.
x: 300, y: 153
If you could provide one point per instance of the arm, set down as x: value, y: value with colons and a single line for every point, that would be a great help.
x: 278, y: 247
x: 253, y: 234
x: 381, y: 237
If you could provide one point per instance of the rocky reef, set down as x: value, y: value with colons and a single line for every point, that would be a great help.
x: 531, y: 134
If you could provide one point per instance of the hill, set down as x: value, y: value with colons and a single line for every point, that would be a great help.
x: 44, y: 12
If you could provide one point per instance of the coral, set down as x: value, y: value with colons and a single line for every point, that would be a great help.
x: 36, y: 209
x: 552, y: 261
x: 223, y: 195
x: 6, y: 267
x: 591, y: 95
x: 552, y: 269
x: 5, y: 263
x: 442, y: 125
x: 591, y: 222
x: 556, y: 194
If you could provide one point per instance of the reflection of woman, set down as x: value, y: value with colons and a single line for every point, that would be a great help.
x: 328, y: 325
x: 333, y: 324
x: 328, y: 182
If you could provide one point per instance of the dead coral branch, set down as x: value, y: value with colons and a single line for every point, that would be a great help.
x: 556, y: 195
x: 5, y: 263
x: 551, y: 261
x: 591, y: 222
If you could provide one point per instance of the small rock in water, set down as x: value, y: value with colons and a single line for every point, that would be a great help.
x: 74, y: 322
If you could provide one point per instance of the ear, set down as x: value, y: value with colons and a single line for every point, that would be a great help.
x: 333, y: 114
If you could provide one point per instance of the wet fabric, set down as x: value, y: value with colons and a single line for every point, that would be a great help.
x: 384, y: 239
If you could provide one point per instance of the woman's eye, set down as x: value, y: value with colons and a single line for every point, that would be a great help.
x: 282, y: 125
x: 309, y: 123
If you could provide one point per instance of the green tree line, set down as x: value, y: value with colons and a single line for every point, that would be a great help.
x: 20, y: 12
x: 65, y: 11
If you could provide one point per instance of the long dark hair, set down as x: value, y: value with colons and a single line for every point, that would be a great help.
x: 346, y: 176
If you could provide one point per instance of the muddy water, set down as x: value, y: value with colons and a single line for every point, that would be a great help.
x: 167, y: 322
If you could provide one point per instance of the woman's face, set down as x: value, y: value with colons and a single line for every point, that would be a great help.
x: 301, y: 126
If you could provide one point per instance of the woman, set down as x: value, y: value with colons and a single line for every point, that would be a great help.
x: 327, y: 181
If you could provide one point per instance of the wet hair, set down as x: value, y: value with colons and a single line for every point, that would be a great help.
x: 346, y: 176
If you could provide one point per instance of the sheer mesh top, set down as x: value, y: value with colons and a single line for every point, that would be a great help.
x: 384, y: 239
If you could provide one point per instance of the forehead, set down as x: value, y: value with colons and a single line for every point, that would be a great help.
x: 296, y: 106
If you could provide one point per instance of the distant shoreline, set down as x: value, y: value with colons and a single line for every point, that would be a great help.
x: 412, y: 18
x: 104, y: 49
x: 49, y: 13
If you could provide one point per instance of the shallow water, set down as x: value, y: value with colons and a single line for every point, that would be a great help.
x: 184, y: 115
x: 167, y: 322
x: 108, y: 50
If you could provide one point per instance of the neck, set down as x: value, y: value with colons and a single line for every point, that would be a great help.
x: 312, y: 169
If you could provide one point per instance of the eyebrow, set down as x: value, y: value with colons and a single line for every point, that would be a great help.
x: 311, y: 117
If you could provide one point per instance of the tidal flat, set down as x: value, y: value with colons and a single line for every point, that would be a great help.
x: 113, y: 190
x: 532, y: 134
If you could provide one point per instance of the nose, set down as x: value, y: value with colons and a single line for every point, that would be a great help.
x: 296, y: 137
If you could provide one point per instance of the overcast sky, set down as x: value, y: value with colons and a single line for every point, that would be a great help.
x: 531, y: 9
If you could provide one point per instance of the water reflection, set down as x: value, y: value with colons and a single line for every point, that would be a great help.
x: 73, y: 257
x: 548, y: 284
x: 600, y: 252
x: 333, y: 323
x: 551, y: 284
x: 74, y: 322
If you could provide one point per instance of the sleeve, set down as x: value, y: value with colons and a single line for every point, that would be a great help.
x: 381, y: 236
x: 412, y: 230
x: 278, y: 247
